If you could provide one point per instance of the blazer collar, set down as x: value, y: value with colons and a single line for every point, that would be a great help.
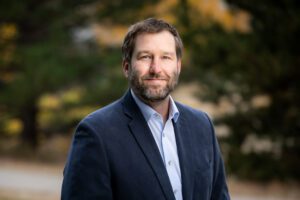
x: 183, y: 135
x: 141, y: 132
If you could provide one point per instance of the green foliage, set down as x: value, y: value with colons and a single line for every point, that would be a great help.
x: 125, y: 11
x: 244, y: 66
x: 44, y: 57
x: 38, y: 56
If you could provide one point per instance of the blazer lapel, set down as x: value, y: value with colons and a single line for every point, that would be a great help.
x: 146, y: 142
x: 185, y: 154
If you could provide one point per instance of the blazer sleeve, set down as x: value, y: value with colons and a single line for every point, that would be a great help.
x: 219, y: 188
x: 86, y: 174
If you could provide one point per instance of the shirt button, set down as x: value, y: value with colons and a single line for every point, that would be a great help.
x: 175, y: 191
x: 170, y: 162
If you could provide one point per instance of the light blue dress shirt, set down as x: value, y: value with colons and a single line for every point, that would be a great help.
x: 165, y: 139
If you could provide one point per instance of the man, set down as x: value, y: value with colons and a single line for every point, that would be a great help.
x: 145, y: 146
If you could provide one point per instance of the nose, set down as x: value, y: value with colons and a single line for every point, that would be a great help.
x: 155, y: 66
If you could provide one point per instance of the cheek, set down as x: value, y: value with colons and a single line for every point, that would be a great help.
x: 173, y: 71
x: 138, y: 71
x: 134, y: 74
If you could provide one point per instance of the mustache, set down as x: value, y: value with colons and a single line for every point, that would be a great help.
x: 155, y: 76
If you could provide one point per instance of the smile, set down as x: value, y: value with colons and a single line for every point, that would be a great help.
x: 154, y: 80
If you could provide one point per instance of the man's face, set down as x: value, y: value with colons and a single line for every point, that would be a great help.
x: 154, y: 68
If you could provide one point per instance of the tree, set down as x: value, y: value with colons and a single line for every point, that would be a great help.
x: 258, y: 72
x: 40, y: 57
x: 272, y: 59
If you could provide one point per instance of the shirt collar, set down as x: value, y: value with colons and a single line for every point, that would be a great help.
x: 148, y: 112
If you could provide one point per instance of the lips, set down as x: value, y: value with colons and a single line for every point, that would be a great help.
x: 161, y: 78
x: 155, y: 79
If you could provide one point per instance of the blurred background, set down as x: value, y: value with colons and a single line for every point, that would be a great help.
x: 61, y: 59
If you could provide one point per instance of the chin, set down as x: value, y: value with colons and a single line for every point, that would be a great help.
x: 156, y: 96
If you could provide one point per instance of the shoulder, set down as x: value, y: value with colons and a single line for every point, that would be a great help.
x: 190, y: 112
x: 104, y: 116
x: 194, y: 115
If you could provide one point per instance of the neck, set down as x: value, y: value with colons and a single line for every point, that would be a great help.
x: 162, y: 106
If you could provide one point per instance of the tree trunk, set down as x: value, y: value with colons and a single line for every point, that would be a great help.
x: 29, y: 135
x: 184, y: 18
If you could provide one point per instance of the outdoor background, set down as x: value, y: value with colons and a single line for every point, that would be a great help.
x: 61, y: 59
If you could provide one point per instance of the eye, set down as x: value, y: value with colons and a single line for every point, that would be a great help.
x: 166, y: 57
x: 145, y: 57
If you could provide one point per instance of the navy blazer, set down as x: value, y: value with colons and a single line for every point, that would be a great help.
x: 114, y: 157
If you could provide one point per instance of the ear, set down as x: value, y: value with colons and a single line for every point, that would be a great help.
x: 125, y: 66
x: 179, y: 66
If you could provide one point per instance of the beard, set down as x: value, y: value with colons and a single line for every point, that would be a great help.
x: 152, y: 93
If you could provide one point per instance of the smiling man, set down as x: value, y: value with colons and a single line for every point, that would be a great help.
x: 146, y: 146
x: 153, y: 69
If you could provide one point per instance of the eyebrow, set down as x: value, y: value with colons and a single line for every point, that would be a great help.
x: 149, y: 52
x: 169, y: 53
x: 143, y: 52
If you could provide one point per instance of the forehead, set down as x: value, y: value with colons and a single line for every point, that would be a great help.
x: 162, y: 41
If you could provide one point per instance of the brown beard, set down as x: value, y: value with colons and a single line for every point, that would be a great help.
x: 145, y: 92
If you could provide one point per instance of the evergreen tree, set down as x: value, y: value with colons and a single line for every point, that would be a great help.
x: 39, y: 58
x: 258, y: 73
x: 39, y: 54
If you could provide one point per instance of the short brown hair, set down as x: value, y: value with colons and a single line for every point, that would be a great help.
x: 149, y: 25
